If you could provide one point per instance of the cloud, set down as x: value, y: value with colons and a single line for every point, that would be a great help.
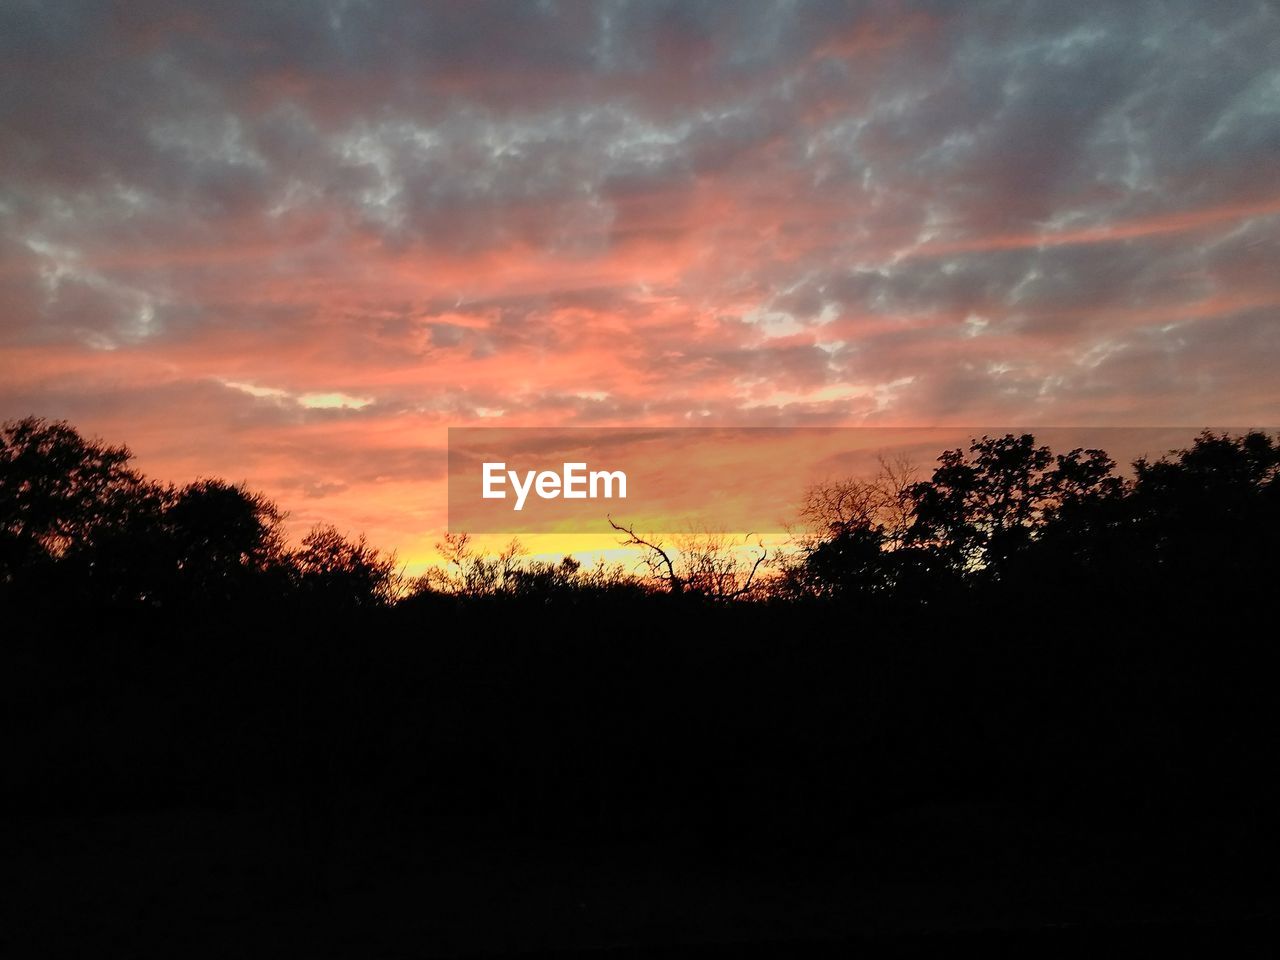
x: 308, y: 238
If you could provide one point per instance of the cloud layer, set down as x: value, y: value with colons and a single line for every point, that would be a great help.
x: 292, y: 243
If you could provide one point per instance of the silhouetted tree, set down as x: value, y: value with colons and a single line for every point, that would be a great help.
x: 853, y: 529
x: 347, y: 573
x: 62, y: 494
x: 544, y: 580
x: 979, y: 512
x: 882, y: 502
x: 705, y: 565
x: 467, y: 572
x: 223, y: 539
x: 852, y: 560
x: 1213, y: 508
x: 77, y: 520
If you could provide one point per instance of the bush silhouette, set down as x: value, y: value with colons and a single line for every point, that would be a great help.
x: 1025, y: 675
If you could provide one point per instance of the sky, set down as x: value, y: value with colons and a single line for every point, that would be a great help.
x: 292, y: 243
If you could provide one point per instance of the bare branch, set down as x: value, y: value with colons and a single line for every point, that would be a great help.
x: 635, y: 540
x: 751, y: 575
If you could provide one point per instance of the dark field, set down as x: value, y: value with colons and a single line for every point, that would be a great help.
x: 1068, y: 745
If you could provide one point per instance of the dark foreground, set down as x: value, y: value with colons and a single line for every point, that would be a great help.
x: 205, y: 883
x: 1025, y: 706
x: 499, y: 778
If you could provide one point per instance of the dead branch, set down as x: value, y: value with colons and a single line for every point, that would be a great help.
x: 635, y: 540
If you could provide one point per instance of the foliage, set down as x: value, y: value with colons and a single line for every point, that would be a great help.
x: 342, y: 572
x: 76, y: 520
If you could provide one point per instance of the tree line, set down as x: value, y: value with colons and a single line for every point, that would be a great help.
x: 77, y: 520
x: 1017, y: 667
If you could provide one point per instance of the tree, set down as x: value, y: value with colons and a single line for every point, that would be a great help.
x: 1213, y: 507
x: 852, y: 560
x: 705, y: 565
x: 223, y: 537
x: 58, y: 489
x: 852, y: 529
x: 345, y: 573
x: 467, y: 572
x: 882, y: 502
x: 978, y: 512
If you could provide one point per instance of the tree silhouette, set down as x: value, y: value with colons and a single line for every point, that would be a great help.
x: 851, y: 561
x: 341, y: 572
x: 1022, y: 638
x: 704, y: 565
x: 1213, y: 507
x: 853, y: 530
x: 223, y: 538
x: 76, y: 521
x: 981, y: 511
x: 59, y: 491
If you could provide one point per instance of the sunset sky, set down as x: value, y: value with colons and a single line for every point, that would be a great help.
x: 291, y: 244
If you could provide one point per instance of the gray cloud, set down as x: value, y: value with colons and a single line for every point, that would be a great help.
x: 860, y: 210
